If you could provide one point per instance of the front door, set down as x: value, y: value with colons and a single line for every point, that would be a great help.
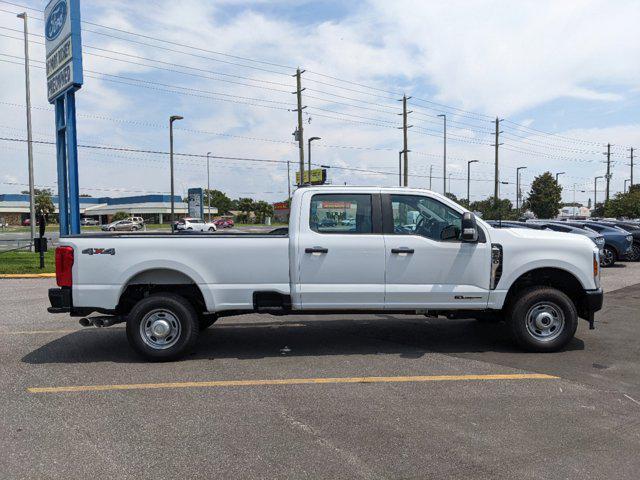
x: 340, y: 252
x: 427, y: 265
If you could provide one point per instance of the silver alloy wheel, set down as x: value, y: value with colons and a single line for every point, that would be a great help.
x: 160, y: 329
x: 545, y: 321
x: 607, y: 257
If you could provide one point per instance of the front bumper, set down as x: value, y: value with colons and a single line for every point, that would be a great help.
x: 60, y: 299
x: 589, y: 304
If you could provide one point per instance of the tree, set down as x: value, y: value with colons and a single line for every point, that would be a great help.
x: 490, y: 211
x: 85, y: 195
x: 246, y: 206
x: 545, y: 197
x: 43, y: 202
x: 120, y: 216
x: 598, y: 210
x: 263, y: 210
x: 219, y: 200
x: 625, y: 205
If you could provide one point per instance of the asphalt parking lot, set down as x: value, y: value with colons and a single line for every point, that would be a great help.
x: 320, y: 397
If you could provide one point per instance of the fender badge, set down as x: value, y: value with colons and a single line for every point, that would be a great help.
x: 99, y: 251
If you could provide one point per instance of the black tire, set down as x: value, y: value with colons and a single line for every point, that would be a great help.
x: 533, y: 308
x: 609, y: 256
x: 175, y: 309
x: 205, y: 321
x: 111, y: 229
x: 211, y: 229
x: 634, y: 256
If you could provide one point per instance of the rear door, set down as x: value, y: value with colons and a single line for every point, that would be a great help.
x: 340, y: 251
x: 427, y: 265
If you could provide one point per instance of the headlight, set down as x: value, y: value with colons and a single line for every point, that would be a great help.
x: 600, y: 241
x: 630, y: 238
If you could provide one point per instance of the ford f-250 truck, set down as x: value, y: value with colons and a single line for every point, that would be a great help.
x: 347, y: 250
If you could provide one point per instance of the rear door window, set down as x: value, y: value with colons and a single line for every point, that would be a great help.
x: 341, y: 213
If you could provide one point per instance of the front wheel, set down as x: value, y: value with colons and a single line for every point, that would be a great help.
x: 634, y: 256
x: 162, y: 327
x: 211, y: 229
x: 542, y: 319
x: 609, y: 256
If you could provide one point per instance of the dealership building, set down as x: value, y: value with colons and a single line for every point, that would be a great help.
x: 14, y: 208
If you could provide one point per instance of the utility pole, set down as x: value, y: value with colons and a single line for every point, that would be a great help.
x: 496, y: 173
x: 400, y: 168
x: 469, y: 180
x: 631, y: 164
x: 288, y: 180
x: 298, y: 94
x: 449, y: 189
x: 608, y: 175
x: 518, y: 188
x: 27, y: 85
x: 208, y: 188
x: 595, y: 190
x: 444, y: 153
x: 405, y: 148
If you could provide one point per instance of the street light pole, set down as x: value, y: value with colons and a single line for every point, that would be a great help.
x: 172, y: 119
x: 469, y: 180
x: 595, y: 190
x: 32, y: 208
x: 625, y: 185
x: 309, y: 149
x: 558, y: 174
x: 449, y: 184
x: 518, y: 188
x: 444, y: 155
x: 208, y: 188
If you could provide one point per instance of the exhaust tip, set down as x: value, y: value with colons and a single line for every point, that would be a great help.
x: 84, y: 322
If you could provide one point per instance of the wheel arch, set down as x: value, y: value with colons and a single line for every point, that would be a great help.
x: 554, y: 277
x: 156, y: 280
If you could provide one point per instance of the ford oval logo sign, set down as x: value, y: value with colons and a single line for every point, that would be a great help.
x: 56, y: 20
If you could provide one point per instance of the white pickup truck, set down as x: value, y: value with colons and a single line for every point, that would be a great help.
x: 347, y: 250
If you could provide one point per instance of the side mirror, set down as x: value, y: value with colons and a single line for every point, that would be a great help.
x: 469, y: 227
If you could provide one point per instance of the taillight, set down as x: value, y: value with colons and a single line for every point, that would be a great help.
x: 64, y: 262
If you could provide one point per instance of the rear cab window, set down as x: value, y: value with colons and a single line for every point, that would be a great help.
x: 341, y: 214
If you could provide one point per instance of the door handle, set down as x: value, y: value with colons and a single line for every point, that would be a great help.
x: 316, y: 250
x: 402, y: 250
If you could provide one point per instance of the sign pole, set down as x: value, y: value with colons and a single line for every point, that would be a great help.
x: 72, y: 164
x: 61, y: 154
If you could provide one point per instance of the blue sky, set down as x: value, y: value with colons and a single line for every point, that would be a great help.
x: 569, y: 68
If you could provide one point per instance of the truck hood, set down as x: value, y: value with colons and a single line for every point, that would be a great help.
x: 501, y: 234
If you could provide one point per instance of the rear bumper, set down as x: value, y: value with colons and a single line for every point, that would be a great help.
x: 60, y: 300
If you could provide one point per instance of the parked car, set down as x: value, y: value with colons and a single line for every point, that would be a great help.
x: 223, y: 222
x: 634, y: 229
x: 618, y: 243
x: 86, y: 222
x: 195, y: 224
x: 122, y: 225
x: 541, y: 282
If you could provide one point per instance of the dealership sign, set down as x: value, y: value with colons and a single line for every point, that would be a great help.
x: 63, y: 47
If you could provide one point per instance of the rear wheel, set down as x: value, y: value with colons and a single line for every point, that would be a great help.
x: 162, y: 326
x: 609, y: 256
x: 211, y: 229
x: 542, y: 319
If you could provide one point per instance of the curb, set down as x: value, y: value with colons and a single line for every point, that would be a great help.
x: 27, y: 275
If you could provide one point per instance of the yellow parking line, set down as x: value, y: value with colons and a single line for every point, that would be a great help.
x: 27, y: 275
x: 292, y: 381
